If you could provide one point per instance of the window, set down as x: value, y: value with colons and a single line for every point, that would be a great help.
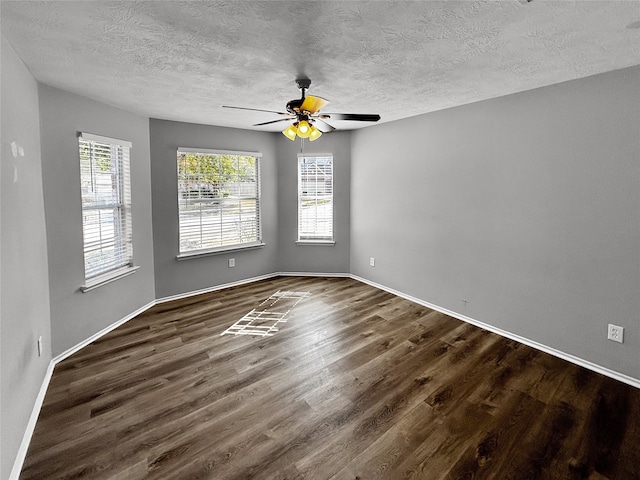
x: 315, y: 198
x: 106, y: 208
x: 218, y: 201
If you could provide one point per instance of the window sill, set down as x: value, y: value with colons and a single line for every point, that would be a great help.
x: 217, y: 251
x: 105, y: 278
x: 324, y: 243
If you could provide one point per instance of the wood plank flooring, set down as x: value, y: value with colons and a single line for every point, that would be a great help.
x: 358, y: 384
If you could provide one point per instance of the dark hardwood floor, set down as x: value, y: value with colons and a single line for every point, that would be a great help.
x: 357, y: 384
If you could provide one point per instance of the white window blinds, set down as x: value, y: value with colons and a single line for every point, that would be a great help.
x: 315, y: 197
x: 218, y: 200
x: 106, y: 204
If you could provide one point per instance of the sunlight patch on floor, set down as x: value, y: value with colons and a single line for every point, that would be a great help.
x: 264, y: 320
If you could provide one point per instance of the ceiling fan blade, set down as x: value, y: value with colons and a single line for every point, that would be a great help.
x: 257, y: 110
x: 312, y: 104
x: 275, y: 121
x: 358, y: 117
x: 331, y: 128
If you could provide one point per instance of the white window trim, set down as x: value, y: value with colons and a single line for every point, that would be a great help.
x: 326, y: 242
x: 218, y: 251
x: 107, y: 140
x: 110, y: 276
x: 218, y: 152
x: 103, y: 279
x: 230, y: 248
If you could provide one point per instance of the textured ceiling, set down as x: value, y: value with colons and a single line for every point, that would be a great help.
x: 184, y: 60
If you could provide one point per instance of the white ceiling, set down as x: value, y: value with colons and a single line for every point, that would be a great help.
x: 184, y: 60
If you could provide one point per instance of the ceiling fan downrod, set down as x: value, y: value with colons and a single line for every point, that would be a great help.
x: 293, y: 106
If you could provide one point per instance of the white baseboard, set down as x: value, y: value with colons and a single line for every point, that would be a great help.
x: 314, y: 274
x: 31, y: 424
x: 634, y: 382
x: 267, y: 276
x: 26, y: 440
x: 215, y: 288
x: 67, y: 353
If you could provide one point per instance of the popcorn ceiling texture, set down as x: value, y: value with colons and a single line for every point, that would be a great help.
x: 184, y: 60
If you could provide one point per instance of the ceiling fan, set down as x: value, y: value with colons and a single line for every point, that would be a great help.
x: 305, y: 114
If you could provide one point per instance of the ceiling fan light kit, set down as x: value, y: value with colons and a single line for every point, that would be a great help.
x: 303, y: 130
x: 304, y: 112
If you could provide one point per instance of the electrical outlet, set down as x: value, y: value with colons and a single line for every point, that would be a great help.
x: 232, y: 262
x: 40, y: 346
x: 372, y: 262
x: 615, y: 333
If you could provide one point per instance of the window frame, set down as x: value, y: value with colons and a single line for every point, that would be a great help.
x: 314, y: 239
x: 122, y: 222
x: 258, y: 242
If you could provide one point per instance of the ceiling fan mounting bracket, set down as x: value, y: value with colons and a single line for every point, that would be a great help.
x: 303, y: 84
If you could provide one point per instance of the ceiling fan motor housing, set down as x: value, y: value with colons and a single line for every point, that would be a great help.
x: 293, y: 106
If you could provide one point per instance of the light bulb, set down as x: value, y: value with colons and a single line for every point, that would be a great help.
x: 304, y: 129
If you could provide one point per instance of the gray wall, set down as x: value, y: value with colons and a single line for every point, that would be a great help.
x: 314, y: 258
x: 24, y: 278
x: 75, y: 316
x: 174, y: 277
x: 527, y: 206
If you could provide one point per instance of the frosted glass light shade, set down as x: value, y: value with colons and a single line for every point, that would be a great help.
x: 290, y: 132
x: 304, y: 129
x: 315, y: 133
